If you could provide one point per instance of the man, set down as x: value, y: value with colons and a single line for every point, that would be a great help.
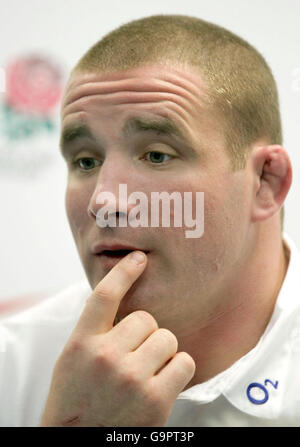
x: 176, y: 331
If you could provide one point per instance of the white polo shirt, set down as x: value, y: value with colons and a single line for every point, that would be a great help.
x: 260, y: 389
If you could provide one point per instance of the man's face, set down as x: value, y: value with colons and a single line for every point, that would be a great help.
x: 109, y: 139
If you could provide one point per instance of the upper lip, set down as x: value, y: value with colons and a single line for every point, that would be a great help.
x: 100, y: 248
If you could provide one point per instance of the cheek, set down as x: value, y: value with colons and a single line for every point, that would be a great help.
x: 225, y: 223
x: 76, y: 207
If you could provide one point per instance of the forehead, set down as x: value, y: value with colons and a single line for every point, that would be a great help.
x: 171, y: 100
x: 137, y: 83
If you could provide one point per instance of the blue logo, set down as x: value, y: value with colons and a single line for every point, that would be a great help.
x: 258, y: 388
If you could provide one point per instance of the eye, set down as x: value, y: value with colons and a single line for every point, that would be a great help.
x: 157, y: 157
x: 87, y: 163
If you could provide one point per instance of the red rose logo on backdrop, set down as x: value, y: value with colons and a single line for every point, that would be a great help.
x: 29, y: 114
x: 33, y: 85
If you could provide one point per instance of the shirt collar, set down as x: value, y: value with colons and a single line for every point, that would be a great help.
x: 255, y: 384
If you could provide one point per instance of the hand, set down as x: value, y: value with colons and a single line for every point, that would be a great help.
x: 129, y: 374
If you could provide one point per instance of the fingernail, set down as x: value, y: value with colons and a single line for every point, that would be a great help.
x: 137, y: 256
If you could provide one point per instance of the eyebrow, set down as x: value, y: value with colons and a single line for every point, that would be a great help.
x: 73, y: 132
x: 164, y: 126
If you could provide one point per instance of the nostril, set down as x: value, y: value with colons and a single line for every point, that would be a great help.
x: 91, y: 212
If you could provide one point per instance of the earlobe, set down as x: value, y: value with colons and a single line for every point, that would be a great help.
x: 273, y: 176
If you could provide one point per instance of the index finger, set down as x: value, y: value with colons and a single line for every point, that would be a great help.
x: 101, y: 308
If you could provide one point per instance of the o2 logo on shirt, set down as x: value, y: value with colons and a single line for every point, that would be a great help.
x: 258, y: 393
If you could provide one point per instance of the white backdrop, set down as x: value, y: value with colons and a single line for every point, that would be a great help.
x: 37, y: 251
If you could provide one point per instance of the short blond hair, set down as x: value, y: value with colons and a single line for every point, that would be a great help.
x: 240, y: 82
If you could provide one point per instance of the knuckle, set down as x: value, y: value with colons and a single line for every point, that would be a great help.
x: 187, y: 362
x: 105, y: 358
x: 163, y: 332
x: 147, y: 319
x: 72, y: 353
x: 103, y: 294
x: 168, y: 336
x: 75, y: 346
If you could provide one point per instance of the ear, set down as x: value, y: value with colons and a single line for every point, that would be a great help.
x: 272, y: 172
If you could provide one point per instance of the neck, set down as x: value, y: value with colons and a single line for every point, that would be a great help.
x: 234, y: 331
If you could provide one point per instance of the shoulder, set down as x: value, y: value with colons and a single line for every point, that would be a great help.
x: 63, y: 305
x: 30, y: 343
x: 49, y: 322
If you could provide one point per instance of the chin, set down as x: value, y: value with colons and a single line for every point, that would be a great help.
x: 155, y: 301
x: 142, y: 295
x: 139, y: 296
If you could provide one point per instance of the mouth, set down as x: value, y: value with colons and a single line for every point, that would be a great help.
x: 114, y: 251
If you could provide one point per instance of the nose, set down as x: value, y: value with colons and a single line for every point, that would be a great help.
x: 111, y: 190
